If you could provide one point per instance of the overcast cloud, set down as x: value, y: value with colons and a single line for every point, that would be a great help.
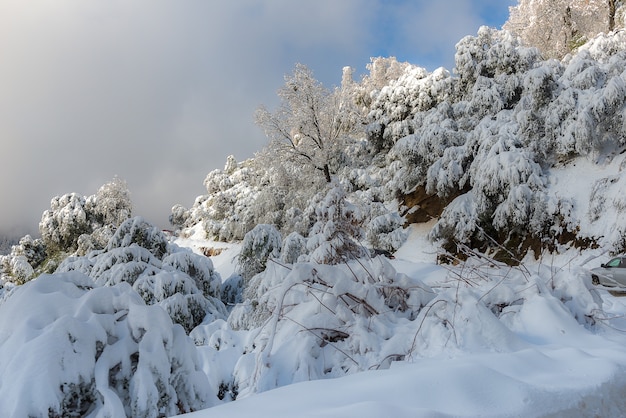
x: 160, y: 92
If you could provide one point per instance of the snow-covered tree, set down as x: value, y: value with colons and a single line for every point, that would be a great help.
x: 556, y: 27
x: 73, y: 215
x: 112, y: 204
x: 319, y: 321
x: 260, y: 244
x: 335, y: 236
x: 311, y: 125
x: 66, y: 220
x: 294, y: 245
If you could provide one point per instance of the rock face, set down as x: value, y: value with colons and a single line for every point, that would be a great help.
x: 422, y: 206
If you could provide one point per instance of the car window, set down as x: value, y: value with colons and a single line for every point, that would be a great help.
x: 614, y: 263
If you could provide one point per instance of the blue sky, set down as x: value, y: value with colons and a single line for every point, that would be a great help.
x: 160, y: 92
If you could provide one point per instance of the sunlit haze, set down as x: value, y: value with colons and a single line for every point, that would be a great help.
x: 159, y: 93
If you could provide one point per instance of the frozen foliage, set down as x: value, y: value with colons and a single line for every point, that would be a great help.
x: 260, y: 244
x: 66, y: 220
x: 94, y: 351
x: 141, y: 233
x: 74, y: 224
x: 310, y: 321
x: 313, y: 124
x: 498, y: 128
x: 111, y: 205
x: 20, y: 264
x: 335, y: 236
x: 294, y: 245
x: 183, y: 283
x: 386, y: 232
x: 72, y: 215
x: 333, y: 317
x: 315, y: 134
x: 235, y: 202
x: 497, y: 125
x: 559, y: 26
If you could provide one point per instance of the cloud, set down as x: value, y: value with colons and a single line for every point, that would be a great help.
x: 161, y: 92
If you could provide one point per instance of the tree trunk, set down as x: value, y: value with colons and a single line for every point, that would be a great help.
x: 612, y: 15
x: 327, y: 173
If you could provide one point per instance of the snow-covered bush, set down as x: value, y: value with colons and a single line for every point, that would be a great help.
x: 179, y: 216
x: 323, y: 321
x: 335, y: 236
x: 141, y: 233
x: 73, y: 215
x: 19, y: 265
x: 16, y: 268
x: 79, y: 349
x: 491, y: 53
x: 181, y: 282
x: 112, y: 204
x: 66, y: 220
x: 310, y: 321
x: 386, y: 232
x: 74, y: 224
x: 260, y: 244
x: 294, y: 245
x: 227, y: 212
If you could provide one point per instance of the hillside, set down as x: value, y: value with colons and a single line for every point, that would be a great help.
x: 474, y: 150
x: 532, y: 340
x: 418, y: 241
x: 534, y: 360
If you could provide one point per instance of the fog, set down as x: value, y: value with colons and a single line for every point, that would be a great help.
x: 160, y: 92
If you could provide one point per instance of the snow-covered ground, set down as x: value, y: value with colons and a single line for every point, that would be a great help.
x: 549, y: 365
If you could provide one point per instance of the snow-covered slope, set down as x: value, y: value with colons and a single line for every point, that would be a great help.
x: 534, y: 360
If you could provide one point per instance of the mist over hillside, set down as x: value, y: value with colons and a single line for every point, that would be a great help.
x: 6, y: 242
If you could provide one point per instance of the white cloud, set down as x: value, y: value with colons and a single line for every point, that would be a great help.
x: 160, y: 92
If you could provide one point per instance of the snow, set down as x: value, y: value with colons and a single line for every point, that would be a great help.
x: 558, y: 368
x: 93, y: 350
x: 538, y: 359
x: 531, y: 382
x: 596, y: 191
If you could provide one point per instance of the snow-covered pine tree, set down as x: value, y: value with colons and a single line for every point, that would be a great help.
x: 260, y: 244
x: 335, y: 236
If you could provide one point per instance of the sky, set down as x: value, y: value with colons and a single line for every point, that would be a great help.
x: 160, y: 92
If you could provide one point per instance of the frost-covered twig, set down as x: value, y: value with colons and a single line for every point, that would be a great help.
x: 324, y: 340
x: 426, y: 312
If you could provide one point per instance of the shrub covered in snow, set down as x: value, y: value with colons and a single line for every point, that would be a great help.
x: 335, y: 236
x: 72, y: 215
x: 80, y: 349
x: 181, y: 282
x: 334, y: 320
x: 74, y: 224
x: 260, y: 244
x: 310, y: 321
x: 498, y: 128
